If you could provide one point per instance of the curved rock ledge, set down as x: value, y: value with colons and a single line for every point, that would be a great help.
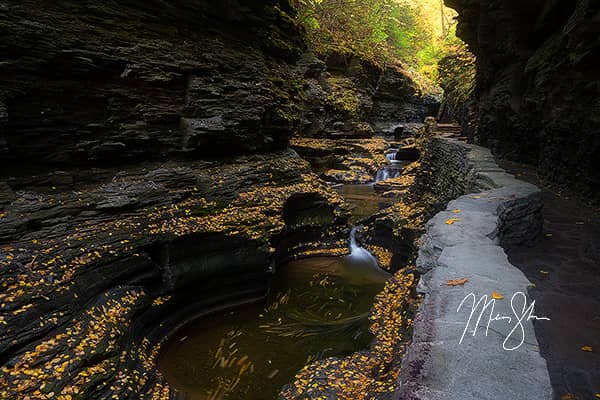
x: 464, y: 241
x: 94, y: 277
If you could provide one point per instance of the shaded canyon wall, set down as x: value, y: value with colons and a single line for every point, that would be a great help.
x: 145, y: 179
x: 538, y: 85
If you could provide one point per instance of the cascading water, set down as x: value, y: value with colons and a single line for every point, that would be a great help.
x: 316, y: 308
x: 391, y: 171
x: 359, y: 254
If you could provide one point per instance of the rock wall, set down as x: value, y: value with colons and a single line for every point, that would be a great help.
x: 95, y: 276
x: 345, y: 97
x: 145, y: 180
x: 538, y: 90
x: 88, y: 83
x: 338, y: 95
x: 399, y: 100
x: 463, y: 241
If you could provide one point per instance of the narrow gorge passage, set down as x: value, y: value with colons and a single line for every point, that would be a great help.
x: 289, y: 199
x: 316, y: 308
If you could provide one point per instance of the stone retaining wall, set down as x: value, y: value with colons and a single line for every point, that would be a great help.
x: 464, y: 241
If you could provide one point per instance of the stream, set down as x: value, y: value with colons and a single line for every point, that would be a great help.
x: 316, y: 308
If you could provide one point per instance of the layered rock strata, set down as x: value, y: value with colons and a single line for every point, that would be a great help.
x: 146, y: 180
x: 94, y: 277
x: 538, y: 91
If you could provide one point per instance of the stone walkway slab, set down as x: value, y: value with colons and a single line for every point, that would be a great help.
x: 492, y: 357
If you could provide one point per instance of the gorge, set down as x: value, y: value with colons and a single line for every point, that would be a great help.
x: 194, y: 204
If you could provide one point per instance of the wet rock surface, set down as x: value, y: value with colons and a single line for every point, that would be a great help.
x: 343, y: 160
x: 146, y: 180
x: 564, y: 265
x: 390, y: 235
x: 399, y: 184
x: 85, y: 270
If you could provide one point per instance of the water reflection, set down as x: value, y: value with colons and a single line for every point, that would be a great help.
x: 363, y: 200
x: 317, y: 308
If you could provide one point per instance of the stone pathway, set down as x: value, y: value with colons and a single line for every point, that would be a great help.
x: 565, y: 268
x: 460, y: 256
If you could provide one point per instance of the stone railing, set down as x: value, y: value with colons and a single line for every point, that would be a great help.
x: 464, y: 241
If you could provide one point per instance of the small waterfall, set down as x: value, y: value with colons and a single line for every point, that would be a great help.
x: 357, y: 253
x: 391, y: 156
x: 387, y: 173
x: 382, y: 175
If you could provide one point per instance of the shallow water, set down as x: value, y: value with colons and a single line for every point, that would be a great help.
x: 363, y: 200
x: 393, y: 170
x: 317, y: 308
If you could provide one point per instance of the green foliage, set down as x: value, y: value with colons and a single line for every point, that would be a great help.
x: 456, y: 71
x: 419, y: 34
x: 357, y: 27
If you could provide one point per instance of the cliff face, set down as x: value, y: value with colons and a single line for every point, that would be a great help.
x: 538, y: 86
x: 349, y: 98
x: 93, y: 83
x: 399, y: 100
x: 144, y: 180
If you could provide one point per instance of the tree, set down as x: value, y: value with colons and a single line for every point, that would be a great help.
x: 380, y: 31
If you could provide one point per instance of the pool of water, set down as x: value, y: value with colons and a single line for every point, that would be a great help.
x: 363, y: 200
x: 316, y: 308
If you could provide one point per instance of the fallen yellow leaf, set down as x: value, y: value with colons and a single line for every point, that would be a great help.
x: 456, y: 211
x: 568, y: 396
x: 544, y: 272
x: 457, y: 282
x: 597, y: 395
x: 452, y: 220
x: 587, y: 348
x: 475, y: 197
x: 497, y: 295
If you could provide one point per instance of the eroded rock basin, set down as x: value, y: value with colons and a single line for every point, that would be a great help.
x: 316, y: 308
